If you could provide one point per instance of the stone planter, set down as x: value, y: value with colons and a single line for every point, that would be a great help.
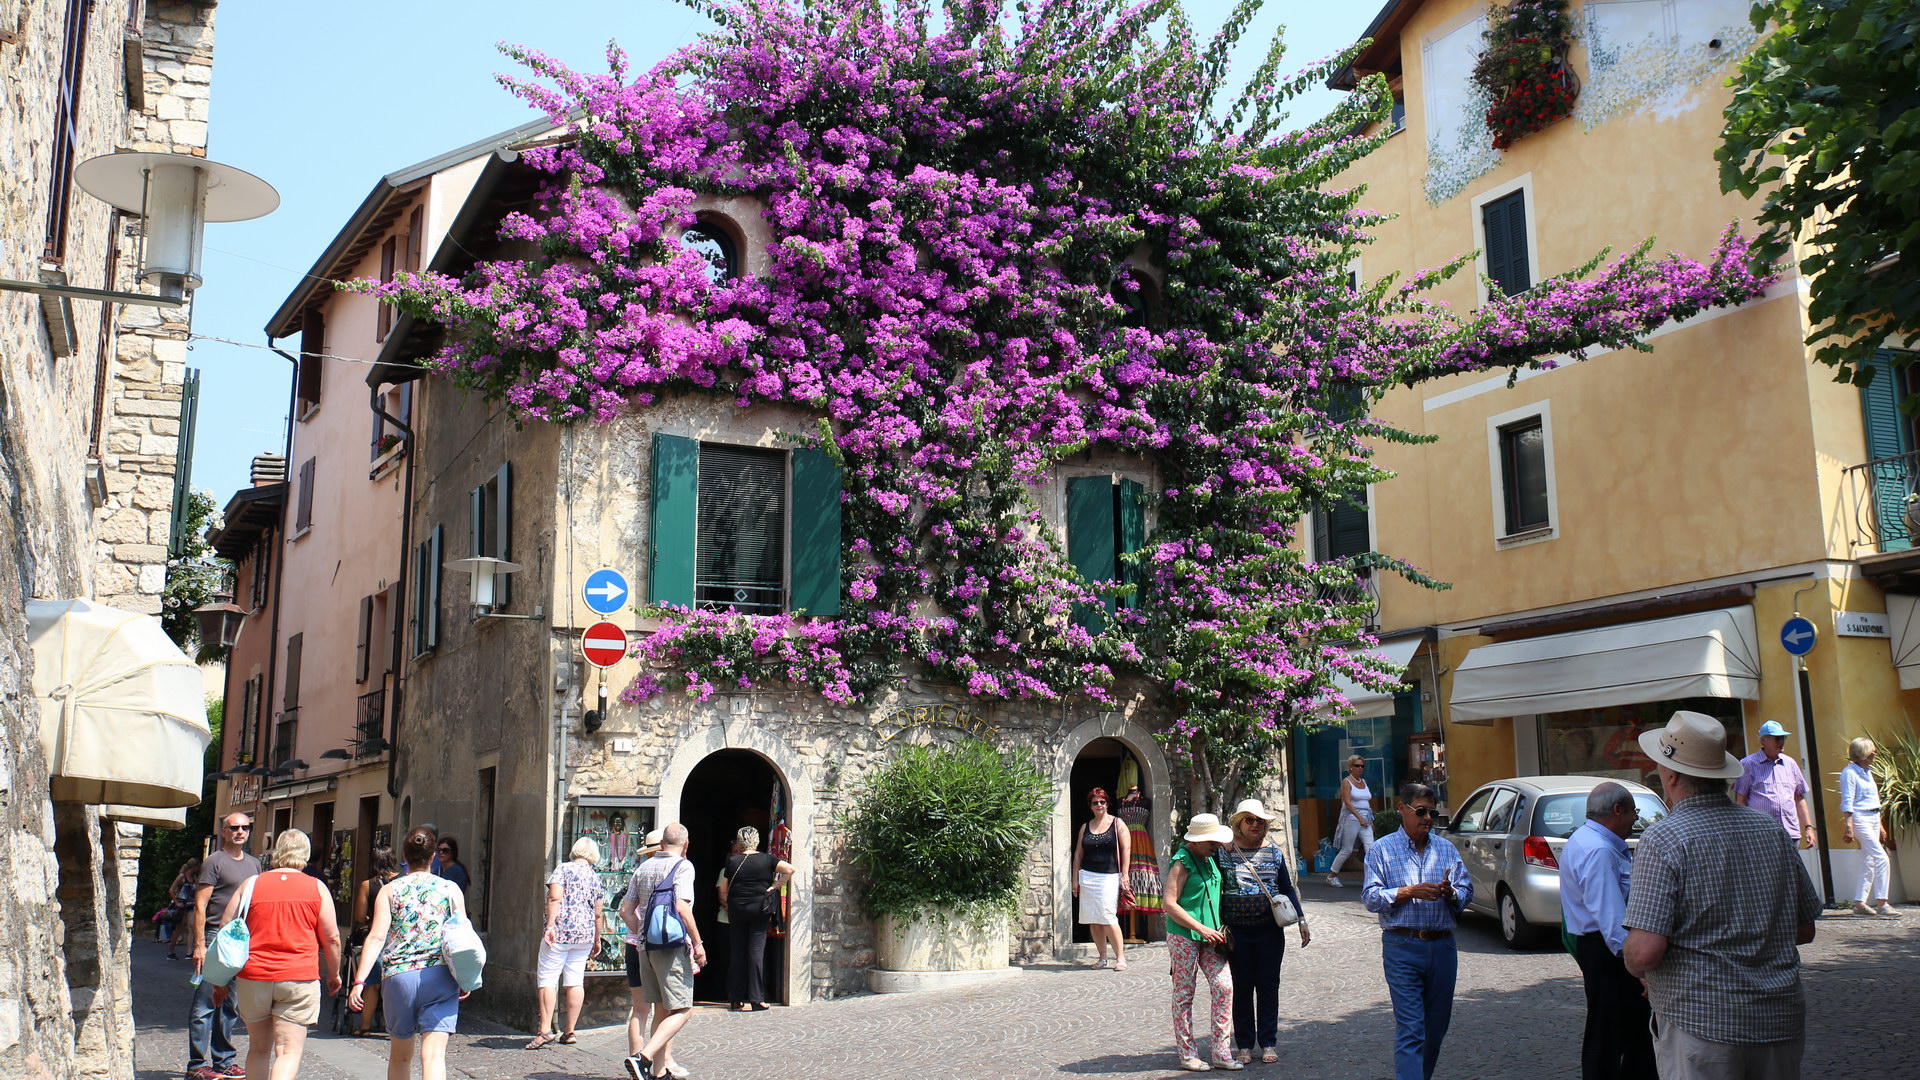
x: 1906, y: 864
x: 911, y: 954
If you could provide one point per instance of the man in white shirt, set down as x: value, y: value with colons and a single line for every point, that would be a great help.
x: 1595, y: 867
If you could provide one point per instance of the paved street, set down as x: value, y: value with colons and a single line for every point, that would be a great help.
x: 1519, y: 1015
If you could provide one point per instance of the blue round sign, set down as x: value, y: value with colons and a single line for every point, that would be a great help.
x: 605, y: 591
x: 1797, y: 635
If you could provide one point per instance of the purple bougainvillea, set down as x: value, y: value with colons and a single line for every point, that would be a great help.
x: 1001, y: 237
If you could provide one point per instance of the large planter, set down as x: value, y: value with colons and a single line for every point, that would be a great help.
x: 1906, y: 863
x: 917, y: 954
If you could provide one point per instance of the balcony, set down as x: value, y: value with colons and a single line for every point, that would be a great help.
x: 1885, y: 502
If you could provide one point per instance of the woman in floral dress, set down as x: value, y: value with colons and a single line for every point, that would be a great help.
x: 575, y: 899
x: 408, y: 938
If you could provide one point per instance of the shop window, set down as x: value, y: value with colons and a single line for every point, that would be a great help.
x: 744, y: 528
x: 617, y: 824
x: 1106, y: 521
x: 715, y: 247
x: 1606, y: 742
x: 490, y: 527
x: 426, y: 592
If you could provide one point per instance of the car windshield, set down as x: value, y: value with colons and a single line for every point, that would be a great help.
x: 1559, y: 815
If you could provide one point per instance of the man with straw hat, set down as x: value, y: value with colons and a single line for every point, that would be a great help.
x: 1717, y: 905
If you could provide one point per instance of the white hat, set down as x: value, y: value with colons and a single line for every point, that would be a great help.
x: 1692, y: 743
x: 1251, y: 808
x: 1206, y: 827
x: 651, y: 843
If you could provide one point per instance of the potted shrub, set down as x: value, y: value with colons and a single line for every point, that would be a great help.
x: 941, y: 837
x: 1896, y: 769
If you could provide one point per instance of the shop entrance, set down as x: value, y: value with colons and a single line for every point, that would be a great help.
x: 1107, y: 763
x: 729, y: 789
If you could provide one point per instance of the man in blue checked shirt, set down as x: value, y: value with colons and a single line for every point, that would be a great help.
x: 1418, y: 886
x: 1595, y: 867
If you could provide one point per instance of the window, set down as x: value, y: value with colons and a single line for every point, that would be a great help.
x: 1500, y: 812
x: 745, y: 528
x: 1106, y: 520
x: 426, y: 592
x: 1523, y: 475
x: 397, y: 403
x: 363, y: 650
x: 1138, y: 297
x: 246, y: 742
x: 1397, y: 119
x: 416, y: 238
x: 714, y: 247
x: 287, y: 723
x: 291, y: 680
x: 491, y: 527
x: 262, y: 570
x: 303, y: 508
x: 1503, y: 224
x: 1890, y: 437
x: 389, y: 258
x: 1473, y: 816
x: 313, y: 346
x: 66, y: 125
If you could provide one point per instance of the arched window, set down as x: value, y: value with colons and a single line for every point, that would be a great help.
x: 716, y: 248
x: 1139, y: 299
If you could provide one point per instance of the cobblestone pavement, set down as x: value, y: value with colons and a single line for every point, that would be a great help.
x: 1517, y: 1015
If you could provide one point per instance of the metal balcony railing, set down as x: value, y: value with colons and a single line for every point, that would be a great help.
x: 370, y: 724
x: 1885, y: 502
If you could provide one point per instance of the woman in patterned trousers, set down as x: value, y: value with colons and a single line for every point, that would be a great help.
x: 1194, y: 941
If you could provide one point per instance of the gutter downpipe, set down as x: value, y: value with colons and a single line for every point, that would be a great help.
x: 399, y: 601
x: 280, y: 538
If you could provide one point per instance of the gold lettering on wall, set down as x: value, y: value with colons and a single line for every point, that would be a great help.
x: 907, y: 717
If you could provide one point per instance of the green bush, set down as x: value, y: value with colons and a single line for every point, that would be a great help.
x: 944, y: 833
x: 1896, y: 769
x: 1384, y: 822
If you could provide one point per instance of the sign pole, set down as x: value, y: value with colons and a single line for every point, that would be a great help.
x: 1811, y: 740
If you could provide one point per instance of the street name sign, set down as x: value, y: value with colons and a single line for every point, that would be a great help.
x: 1860, y: 624
x: 1797, y: 635
x: 604, y: 644
x: 605, y: 591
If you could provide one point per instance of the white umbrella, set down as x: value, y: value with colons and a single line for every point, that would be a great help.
x: 175, y: 818
x: 123, y: 716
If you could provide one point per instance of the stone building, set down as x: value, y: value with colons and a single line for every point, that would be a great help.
x: 92, y: 397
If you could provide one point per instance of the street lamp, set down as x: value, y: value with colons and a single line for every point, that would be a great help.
x: 176, y: 194
x: 484, y: 569
x: 218, y: 623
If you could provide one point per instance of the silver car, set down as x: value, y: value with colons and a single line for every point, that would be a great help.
x: 1510, y: 833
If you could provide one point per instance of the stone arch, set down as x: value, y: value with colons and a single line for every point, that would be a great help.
x: 1141, y: 743
x: 801, y: 780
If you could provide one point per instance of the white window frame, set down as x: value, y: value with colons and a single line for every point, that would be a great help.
x: 1551, y: 531
x: 1523, y: 183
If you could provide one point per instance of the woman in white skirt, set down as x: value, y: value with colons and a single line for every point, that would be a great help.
x: 1860, y: 802
x: 1100, y: 854
x: 1356, y: 817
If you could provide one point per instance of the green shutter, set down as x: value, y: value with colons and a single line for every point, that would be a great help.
x: 816, y: 533
x: 1130, y: 514
x: 1504, y: 225
x: 676, y: 472
x: 1090, y: 539
x: 1888, y: 438
x: 1347, y: 532
x: 503, y: 532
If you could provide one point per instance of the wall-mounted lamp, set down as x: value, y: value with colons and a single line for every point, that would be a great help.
x: 176, y: 194
x: 218, y: 623
x: 485, y: 570
x: 336, y: 754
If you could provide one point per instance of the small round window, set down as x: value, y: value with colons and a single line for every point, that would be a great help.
x: 715, y: 248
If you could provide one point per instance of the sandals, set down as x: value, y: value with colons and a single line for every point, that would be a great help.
x: 1194, y: 1064
x: 541, y: 1040
x: 567, y: 1038
x: 1269, y: 1055
x: 1119, y: 965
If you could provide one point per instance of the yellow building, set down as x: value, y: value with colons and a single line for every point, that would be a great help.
x: 1625, y: 535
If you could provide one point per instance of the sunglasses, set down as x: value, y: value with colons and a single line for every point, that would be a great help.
x: 444, y: 850
x: 1422, y: 811
x: 240, y: 828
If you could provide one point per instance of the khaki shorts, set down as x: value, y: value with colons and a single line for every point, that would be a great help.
x: 663, y: 976
x: 294, y: 1002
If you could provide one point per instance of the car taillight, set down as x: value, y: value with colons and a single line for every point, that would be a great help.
x: 1537, y: 852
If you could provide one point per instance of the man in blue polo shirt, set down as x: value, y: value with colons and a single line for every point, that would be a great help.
x: 1418, y: 886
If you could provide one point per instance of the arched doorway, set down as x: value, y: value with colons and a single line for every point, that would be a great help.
x: 1109, y: 763
x: 726, y: 790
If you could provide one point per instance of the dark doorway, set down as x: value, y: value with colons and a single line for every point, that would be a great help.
x: 1098, y: 766
x: 727, y: 790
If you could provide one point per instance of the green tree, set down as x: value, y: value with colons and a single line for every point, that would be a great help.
x: 1825, y: 119
x: 194, y: 574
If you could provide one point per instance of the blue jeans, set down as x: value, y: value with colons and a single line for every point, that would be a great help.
x: 206, y: 1024
x: 1420, y: 976
x: 1258, y: 949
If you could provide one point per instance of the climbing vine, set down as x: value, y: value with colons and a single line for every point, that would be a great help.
x: 1524, y: 71
x: 970, y: 213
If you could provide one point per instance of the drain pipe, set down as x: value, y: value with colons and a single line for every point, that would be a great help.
x: 397, y: 608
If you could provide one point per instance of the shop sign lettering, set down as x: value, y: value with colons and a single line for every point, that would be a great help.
x: 907, y: 717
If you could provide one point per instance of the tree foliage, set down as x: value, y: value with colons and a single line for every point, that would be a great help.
x: 194, y: 575
x: 1001, y: 239
x: 1825, y: 119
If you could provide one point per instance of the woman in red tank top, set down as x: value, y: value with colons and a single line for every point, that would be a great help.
x: 293, y: 944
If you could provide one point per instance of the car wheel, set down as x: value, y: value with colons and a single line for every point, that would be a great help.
x: 1515, y: 930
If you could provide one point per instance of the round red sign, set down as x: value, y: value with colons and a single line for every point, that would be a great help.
x: 604, y: 644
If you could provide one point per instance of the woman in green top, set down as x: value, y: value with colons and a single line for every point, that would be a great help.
x: 1192, y: 900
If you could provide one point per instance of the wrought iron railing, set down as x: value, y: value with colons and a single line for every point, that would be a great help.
x: 370, y: 724
x: 1885, y: 501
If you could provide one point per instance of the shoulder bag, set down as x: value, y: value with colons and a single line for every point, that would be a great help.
x: 770, y: 902
x: 1284, y: 913
x: 228, y: 953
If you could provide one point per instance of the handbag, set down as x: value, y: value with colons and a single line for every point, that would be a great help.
x: 1225, y: 945
x: 466, y: 954
x: 1285, y: 914
x: 228, y: 953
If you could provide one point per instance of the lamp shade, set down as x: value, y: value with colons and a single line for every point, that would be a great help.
x: 483, y: 568
x: 176, y: 194
x: 219, y: 624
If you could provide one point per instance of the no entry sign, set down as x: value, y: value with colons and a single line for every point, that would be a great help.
x: 604, y: 644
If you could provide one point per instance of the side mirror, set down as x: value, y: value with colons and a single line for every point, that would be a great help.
x: 1441, y: 821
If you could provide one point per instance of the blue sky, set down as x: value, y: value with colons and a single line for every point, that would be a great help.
x: 322, y: 103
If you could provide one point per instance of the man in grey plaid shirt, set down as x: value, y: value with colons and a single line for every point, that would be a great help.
x: 1717, y: 905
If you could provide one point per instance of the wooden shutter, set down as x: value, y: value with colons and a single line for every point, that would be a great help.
x: 313, y: 343
x: 416, y: 237
x: 1322, y: 536
x: 816, y: 533
x: 389, y: 254
x: 303, y: 512
x: 67, y: 109
x: 396, y: 623
x: 1504, y: 222
x: 1130, y: 515
x: 477, y: 521
x: 1889, y: 436
x: 292, y: 698
x: 366, y: 640
x: 1090, y: 539
x: 434, y: 557
x: 503, y: 532
x: 676, y: 472
x: 1346, y: 527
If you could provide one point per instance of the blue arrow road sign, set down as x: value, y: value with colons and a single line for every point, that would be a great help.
x: 1797, y: 635
x: 605, y: 591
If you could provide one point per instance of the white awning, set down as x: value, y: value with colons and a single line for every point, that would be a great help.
x: 123, y: 712
x: 1705, y: 654
x: 1904, y: 621
x: 175, y: 818
x: 1374, y: 702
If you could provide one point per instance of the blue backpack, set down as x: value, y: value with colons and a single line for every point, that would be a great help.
x: 664, y: 930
